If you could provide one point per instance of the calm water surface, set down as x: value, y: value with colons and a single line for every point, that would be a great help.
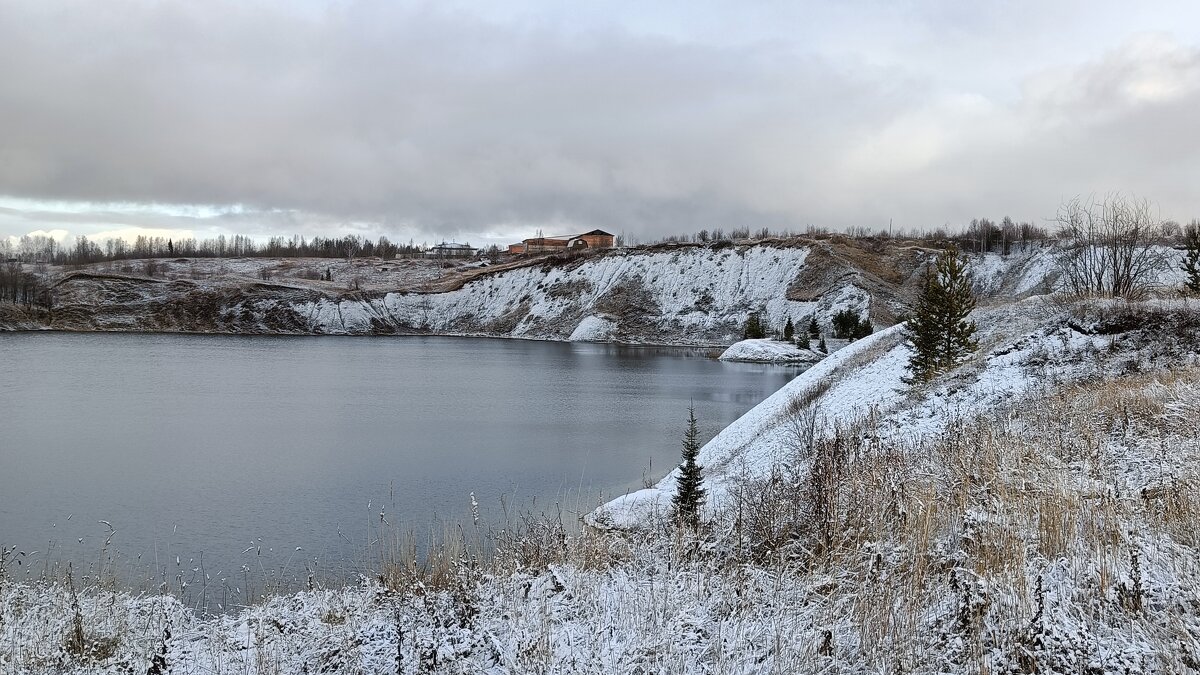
x: 249, y: 448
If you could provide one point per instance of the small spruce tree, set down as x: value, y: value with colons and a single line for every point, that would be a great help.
x: 789, y: 330
x: 814, y: 331
x: 844, y: 322
x: 822, y: 347
x: 863, y: 329
x: 938, y: 329
x: 1191, y: 256
x: 689, y: 492
x: 754, y: 329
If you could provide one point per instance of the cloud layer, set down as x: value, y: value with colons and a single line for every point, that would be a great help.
x: 428, y: 121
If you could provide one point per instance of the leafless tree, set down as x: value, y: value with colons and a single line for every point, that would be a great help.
x: 1110, y: 246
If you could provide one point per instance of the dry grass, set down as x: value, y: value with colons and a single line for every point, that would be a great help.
x: 1074, y: 484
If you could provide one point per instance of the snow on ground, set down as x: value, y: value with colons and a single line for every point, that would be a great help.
x: 753, y: 442
x: 593, y: 329
x: 1024, y: 345
x: 690, y: 295
x: 768, y: 351
x: 694, y: 295
x: 1017, y: 274
x: 308, y: 273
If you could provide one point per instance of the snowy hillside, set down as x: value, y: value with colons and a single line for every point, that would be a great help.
x: 692, y: 295
x: 1024, y: 347
x: 698, y: 295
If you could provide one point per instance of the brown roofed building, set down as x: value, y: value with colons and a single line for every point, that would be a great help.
x: 593, y: 239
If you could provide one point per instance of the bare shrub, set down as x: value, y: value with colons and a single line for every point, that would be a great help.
x: 1110, y: 246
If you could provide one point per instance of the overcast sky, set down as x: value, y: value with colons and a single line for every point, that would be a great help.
x: 486, y: 121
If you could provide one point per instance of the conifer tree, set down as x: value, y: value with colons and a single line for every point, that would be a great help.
x: 689, y: 492
x: 754, y: 329
x: 789, y: 330
x: 814, y: 331
x: 863, y: 329
x: 1191, y: 256
x: 941, y: 336
x: 822, y: 347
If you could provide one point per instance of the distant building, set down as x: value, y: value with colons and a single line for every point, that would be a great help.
x: 544, y: 244
x: 593, y: 239
x: 451, y: 250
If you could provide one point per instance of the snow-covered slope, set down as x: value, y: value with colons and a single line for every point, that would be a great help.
x: 1024, y: 345
x: 686, y: 294
x: 696, y: 295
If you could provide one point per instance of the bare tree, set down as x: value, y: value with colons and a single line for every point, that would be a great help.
x: 1110, y: 246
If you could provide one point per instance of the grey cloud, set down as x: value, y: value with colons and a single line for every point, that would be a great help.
x: 424, y: 121
x: 410, y: 114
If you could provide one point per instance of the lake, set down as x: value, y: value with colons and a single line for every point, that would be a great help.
x: 224, y: 459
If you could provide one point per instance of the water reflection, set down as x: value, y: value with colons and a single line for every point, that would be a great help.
x: 276, y: 456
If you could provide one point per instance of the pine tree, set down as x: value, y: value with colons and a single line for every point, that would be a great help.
x: 689, y: 492
x: 754, y: 329
x: 940, y: 334
x: 814, y: 331
x: 863, y: 329
x: 1191, y: 256
x: 822, y: 347
x: 922, y: 330
x: 789, y: 330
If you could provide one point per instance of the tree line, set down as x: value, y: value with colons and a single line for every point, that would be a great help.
x: 980, y: 235
x: 21, y: 287
x: 44, y: 249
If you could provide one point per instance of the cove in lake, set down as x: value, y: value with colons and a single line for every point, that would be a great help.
x: 275, y: 456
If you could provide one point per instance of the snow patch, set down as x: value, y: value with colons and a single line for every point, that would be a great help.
x: 593, y: 329
x: 768, y: 351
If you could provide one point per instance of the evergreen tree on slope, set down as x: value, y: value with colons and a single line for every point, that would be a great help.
x: 689, y: 492
x: 753, y: 329
x: 1191, y: 256
x: 940, y: 334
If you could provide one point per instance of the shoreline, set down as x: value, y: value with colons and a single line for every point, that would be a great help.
x: 142, y: 331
